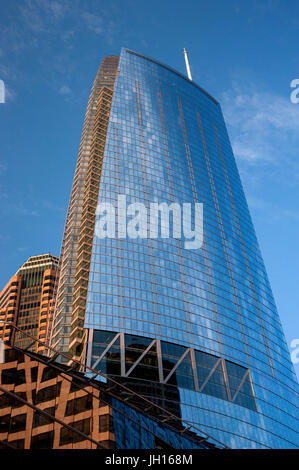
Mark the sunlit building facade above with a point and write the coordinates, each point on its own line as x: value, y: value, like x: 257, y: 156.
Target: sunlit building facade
x: 196, y: 328
x: 26, y: 302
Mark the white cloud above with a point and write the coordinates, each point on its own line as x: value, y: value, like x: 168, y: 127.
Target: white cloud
x: 272, y: 212
x: 38, y: 15
x: 263, y: 126
x: 56, y: 8
x: 4, y: 72
x: 31, y: 15
x: 93, y: 22
x: 20, y: 209
x: 101, y: 25
x: 64, y: 90
x: 4, y: 238
x: 3, y: 167
x: 49, y: 205
x: 21, y: 249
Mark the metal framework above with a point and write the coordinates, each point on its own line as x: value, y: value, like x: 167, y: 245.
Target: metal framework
x: 162, y: 379
x: 114, y: 388
x: 81, y: 382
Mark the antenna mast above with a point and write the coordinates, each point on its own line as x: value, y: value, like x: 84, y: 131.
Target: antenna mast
x: 187, y: 65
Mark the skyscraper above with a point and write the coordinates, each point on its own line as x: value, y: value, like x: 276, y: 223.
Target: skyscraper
x: 26, y: 301
x: 197, y: 328
x: 79, y: 228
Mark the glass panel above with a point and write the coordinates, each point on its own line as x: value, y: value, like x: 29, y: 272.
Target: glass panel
x: 183, y: 375
x: 171, y: 353
x: 42, y: 441
x: 68, y: 436
x: 18, y: 423
x: 204, y: 363
x: 41, y: 420
x: 45, y: 394
x: 147, y: 368
x: 49, y: 373
x: 13, y: 376
x: 105, y: 423
x: 245, y: 397
x: 78, y: 405
x: 135, y: 345
x: 4, y: 423
x: 34, y: 372
x: 18, y: 444
x: 216, y: 385
x: 235, y: 375
x: 110, y: 364
x: 101, y: 339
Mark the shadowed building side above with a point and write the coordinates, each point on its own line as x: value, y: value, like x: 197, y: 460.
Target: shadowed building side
x: 67, y: 333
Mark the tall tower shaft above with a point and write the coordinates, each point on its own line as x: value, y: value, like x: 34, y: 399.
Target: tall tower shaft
x: 195, y: 329
x: 68, y: 316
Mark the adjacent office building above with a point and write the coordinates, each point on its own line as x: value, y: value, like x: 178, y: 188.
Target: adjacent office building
x: 26, y: 302
x: 196, y: 330
x: 47, y: 405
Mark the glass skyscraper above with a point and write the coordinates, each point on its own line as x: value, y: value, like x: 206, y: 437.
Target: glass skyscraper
x: 195, y: 329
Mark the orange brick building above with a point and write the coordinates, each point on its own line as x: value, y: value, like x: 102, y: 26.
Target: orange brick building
x: 26, y: 301
x: 44, y: 407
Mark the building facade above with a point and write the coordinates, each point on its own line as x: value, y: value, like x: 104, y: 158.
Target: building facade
x: 78, y: 234
x: 26, y: 301
x: 46, y: 405
x: 200, y: 323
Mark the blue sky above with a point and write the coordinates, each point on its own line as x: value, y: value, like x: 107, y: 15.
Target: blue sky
x: 243, y: 53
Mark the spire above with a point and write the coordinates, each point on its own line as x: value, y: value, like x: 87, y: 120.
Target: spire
x: 187, y: 65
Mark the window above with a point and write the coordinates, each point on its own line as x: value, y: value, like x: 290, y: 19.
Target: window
x: 18, y: 444
x: 68, y: 436
x: 45, y: 394
x: 40, y: 419
x: 34, y: 371
x: 42, y: 441
x: 49, y: 373
x: 18, y: 423
x: 4, y: 423
x: 78, y: 405
x: 13, y: 376
x: 105, y: 423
